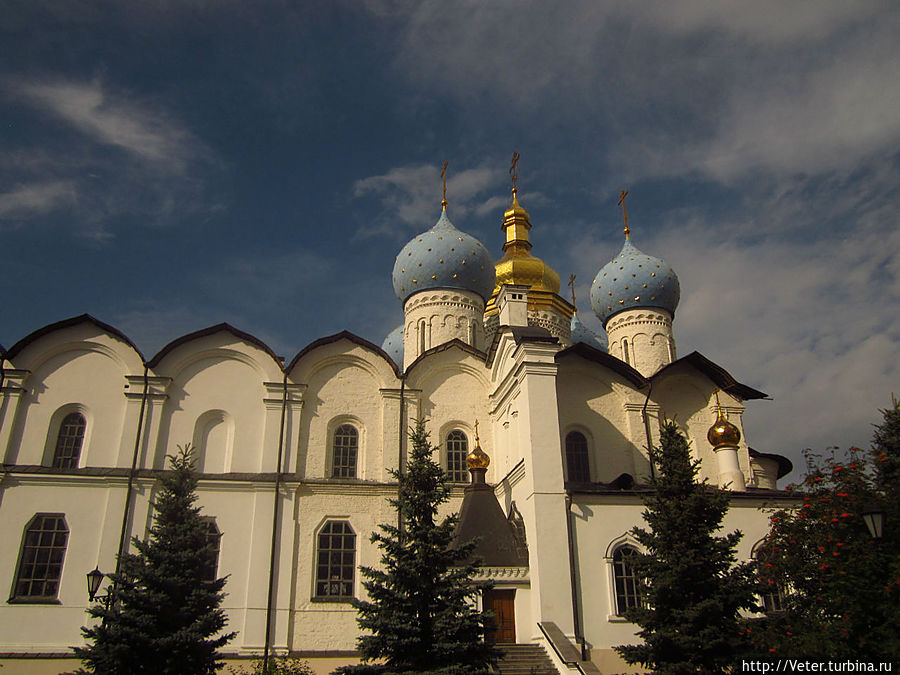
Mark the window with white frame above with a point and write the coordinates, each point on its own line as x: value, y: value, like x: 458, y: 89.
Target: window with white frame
x: 457, y: 449
x: 335, y: 560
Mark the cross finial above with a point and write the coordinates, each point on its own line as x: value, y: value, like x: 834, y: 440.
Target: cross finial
x: 718, y: 405
x: 476, y: 432
x: 621, y: 203
x: 513, y: 171
x: 572, y: 284
x: 444, y: 179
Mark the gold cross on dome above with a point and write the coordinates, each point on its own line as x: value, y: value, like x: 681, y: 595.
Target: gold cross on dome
x: 621, y: 203
x: 444, y: 179
x: 572, y: 284
x: 513, y: 171
x: 476, y: 431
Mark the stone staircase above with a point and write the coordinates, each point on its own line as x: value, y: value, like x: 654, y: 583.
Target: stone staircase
x: 525, y: 659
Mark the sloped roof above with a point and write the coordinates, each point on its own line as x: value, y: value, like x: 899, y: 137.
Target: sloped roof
x: 68, y: 323
x: 455, y: 342
x: 212, y: 330
x: 337, y: 337
x: 482, y: 519
x: 721, y: 377
x: 589, y: 353
x: 785, y: 466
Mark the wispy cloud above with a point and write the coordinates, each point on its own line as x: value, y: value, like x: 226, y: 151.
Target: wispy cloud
x: 145, y: 131
x: 412, y: 195
x: 37, y: 197
x: 105, y: 158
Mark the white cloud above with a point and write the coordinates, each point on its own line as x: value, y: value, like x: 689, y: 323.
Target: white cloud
x: 412, y: 195
x: 114, y: 159
x: 140, y: 129
x: 36, y: 198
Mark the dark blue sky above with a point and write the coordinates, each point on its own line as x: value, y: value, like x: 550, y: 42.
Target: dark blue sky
x: 166, y: 166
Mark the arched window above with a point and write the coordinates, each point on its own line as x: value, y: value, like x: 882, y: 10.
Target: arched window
x: 335, y: 560
x: 69, y: 441
x: 41, y: 559
x: 625, y: 350
x: 213, y: 540
x: 457, y: 449
x: 626, y: 581
x: 577, y: 465
x: 344, y: 451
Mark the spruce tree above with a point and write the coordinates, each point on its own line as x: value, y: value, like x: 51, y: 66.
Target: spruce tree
x: 421, y: 616
x: 162, y: 614
x: 692, y: 588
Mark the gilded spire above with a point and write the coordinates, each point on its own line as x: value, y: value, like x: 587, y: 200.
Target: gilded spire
x: 444, y: 179
x: 621, y: 203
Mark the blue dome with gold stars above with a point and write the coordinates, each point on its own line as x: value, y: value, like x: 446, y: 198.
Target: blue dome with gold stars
x: 393, y: 345
x: 634, y: 279
x: 443, y: 257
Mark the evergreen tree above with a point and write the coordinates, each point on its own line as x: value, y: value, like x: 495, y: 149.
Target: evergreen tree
x: 840, y: 588
x: 162, y: 613
x: 692, y: 588
x: 421, y: 616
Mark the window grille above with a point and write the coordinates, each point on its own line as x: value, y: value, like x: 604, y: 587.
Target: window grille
x: 335, y: 560
x: 345, y: 450
x: 69, y: 441
x: 41, y: 561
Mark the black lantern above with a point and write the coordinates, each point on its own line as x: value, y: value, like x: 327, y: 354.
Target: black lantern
x: 94, y: 579
x: 873, y: 517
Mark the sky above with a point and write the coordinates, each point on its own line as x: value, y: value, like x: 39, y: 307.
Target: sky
x: 169, y: 165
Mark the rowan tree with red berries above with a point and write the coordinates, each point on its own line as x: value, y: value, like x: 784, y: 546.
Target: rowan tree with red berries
x: 834, y: 589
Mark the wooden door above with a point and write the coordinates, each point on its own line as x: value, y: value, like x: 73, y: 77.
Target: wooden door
x: 503, y: 604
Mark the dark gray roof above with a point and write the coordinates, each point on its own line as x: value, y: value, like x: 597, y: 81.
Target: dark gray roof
x: 482, y: 519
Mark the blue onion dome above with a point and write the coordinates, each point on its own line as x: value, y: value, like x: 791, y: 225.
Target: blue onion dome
x: 443, y: 257
x: 581, y: 333
x: 633, y: 279
x: 393, y: 345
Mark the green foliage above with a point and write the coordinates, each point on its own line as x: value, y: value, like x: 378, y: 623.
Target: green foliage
x: 421, y: 615
x: 281, y: 665
x: 161, y: 614
x: 693, y: 589
x: 840, y: 587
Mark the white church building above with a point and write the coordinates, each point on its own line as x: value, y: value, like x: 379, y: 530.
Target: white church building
x: 296, y: 455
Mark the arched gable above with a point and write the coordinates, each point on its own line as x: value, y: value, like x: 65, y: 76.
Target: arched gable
x: 79, y: 333
x: 347, y: 348
x: 232, y: 342
x: 219, y: 383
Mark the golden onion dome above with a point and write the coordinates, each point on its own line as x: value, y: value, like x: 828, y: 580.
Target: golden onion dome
x: 478, y: 458
x: 723, y: 433
x: 518, y: 266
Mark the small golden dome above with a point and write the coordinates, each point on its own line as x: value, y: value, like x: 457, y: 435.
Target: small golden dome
x: 478, y: 458
x: 723, y: 433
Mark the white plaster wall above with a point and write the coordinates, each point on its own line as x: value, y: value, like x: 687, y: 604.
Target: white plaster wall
x: 599, y: 521
x: 93, y: 513
x: 592, y: 400
x: 85, y: 377
x: 688, y: 397
x: 222, y: 380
